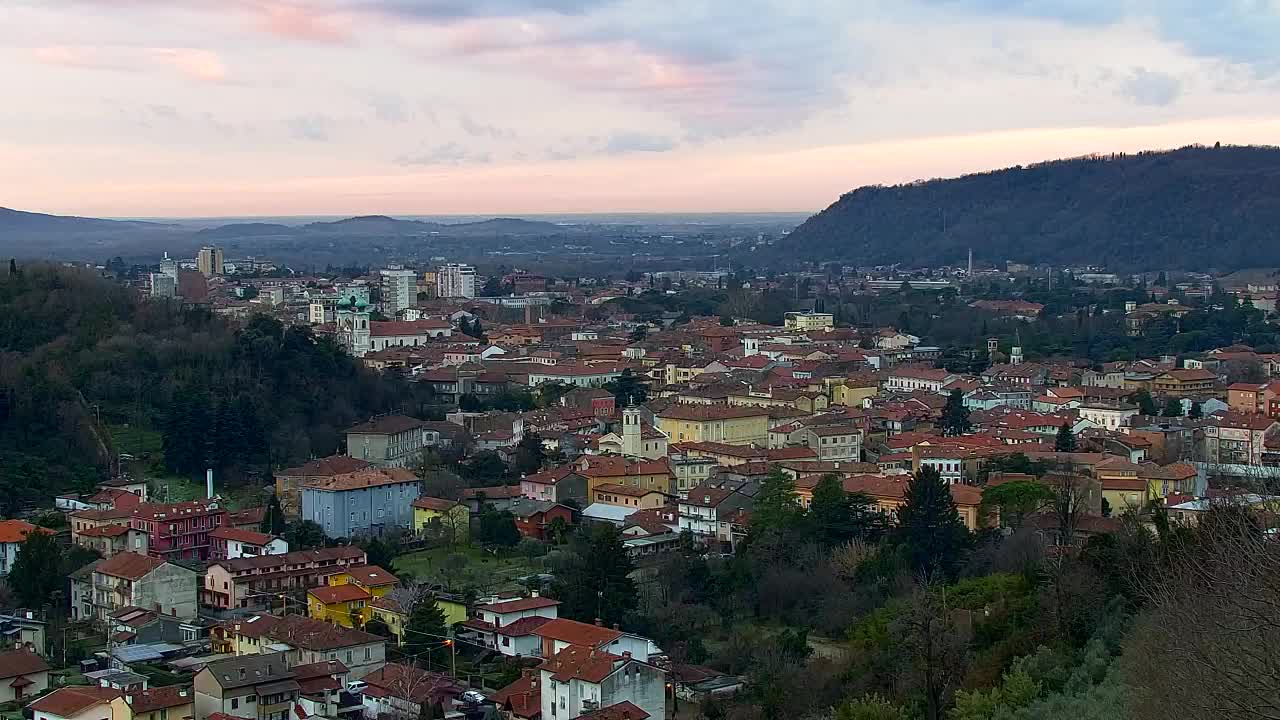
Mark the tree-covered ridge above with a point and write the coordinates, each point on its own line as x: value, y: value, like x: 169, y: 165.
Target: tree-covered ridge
x: 1192, y: 208
x: 79, y: 353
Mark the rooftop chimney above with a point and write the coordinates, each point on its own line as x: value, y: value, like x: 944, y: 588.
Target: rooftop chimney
x: 599, y: 622
x: 615, y: 626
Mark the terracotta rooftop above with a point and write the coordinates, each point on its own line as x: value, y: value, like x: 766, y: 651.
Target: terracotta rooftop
x: 128, y: 565
x: 321, y: 467
x: 334, y: 594
x: 702, y: 413
x: 519, y: 605
x: 580, y: 662
x: 625, y: 710
x: 156, y: 698
x: 361, y: 479
x: 522, y: 697
x: 15, y: 531
x: 273, y: 563
x: 578, y: 633
x: 437, y: 504
x: 71, y: 701
x: 371, y: 576
x: 248, y: 537
x: 386, y: 425
x: 20, y: 662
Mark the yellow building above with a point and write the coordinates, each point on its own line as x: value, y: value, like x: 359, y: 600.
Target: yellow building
x: 393, y: 615
x: 809, y: 321
x: 447, y: 518
x: 627, y: 496
x: 345, y: 605
x: 850, y: 392
x: 370, y: 578
x: 733, y: 425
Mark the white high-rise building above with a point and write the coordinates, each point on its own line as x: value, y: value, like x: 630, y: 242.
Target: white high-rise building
x: 456, y: 281
x: 169, y: 266
x: 399, y: 289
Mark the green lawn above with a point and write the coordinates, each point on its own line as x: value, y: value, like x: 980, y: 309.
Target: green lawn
x: 136, y: 441
x: 472, y: 568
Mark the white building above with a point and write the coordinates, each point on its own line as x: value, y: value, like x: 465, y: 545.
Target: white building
x: 406, y: 333
x: 455, y: 280
x: 580, y: 680
x: 399, y: 289
x: 1108, y: 416
x: 807, y: 321
x: 353, y: 327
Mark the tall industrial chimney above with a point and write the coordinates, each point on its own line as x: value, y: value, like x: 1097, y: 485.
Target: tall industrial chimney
x: 208, y: 482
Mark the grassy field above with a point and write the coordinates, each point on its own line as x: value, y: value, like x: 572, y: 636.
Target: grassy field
x: 464, y: 567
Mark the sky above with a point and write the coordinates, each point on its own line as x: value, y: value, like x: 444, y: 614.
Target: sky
x: 127, y: 108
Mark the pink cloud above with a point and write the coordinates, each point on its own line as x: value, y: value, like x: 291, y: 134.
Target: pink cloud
x: 296, y: 22
x: 195, y: 63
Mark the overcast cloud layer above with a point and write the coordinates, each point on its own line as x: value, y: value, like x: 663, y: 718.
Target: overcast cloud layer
x: 235, y: 107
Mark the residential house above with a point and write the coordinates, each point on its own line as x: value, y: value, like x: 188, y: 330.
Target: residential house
x: 393, y: 610
x: 256, y: 581
x: 302, y: 641
x: 522, y: 699
x: 81, y: 702
x: 559, y: 484
x: 131, y: 580
x: 610, y: 469
x: 581, y: 681
x: 704, y: 508
x: 400, y: 691
x: 257, y: 687
x: 1178, y: 478
x: 22, y: 630
x: 179, y: 530
x: 908, y: 378
x: 173, y: 702
x: 561, y: 633
x: 733, y: 425
x: 289, y: 482
x: 143, y: 626
x: 1237, y: 439
x: 446, y: 519
x: 627, y: 496
x: 498, y: 497
x: 343, y: 605
x: 365, y: 502
x: 1109, y: 416
x: 509, y: 626
x: 385, y: 334
x: 322, y: 690
x: 533, y: 516
x: 12, y: 534
x: 1184, y: 382
x: 392, y: 441
x: 370, y: 578
x: 109, y: 539
x: 228, y: 543
x: 23, y: 674
x: 833, y: 442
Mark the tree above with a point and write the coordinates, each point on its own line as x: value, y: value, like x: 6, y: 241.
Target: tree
x: 870, y: 707
x: 37, y: 570
x: 1172, y: 407
x: 1197, y: 410
x: 1065, y: 442
x: 639, y: 333
x: 530, y: 454
x: 1070, y: 501
x: 726, y: 321
x: 468, y: 402
x: 1146, y: 404
x: 425, y: 633
x: 933, y: 653
x: 498, y: 528
x: 1017, y: 499
x: 776, y: 514
x: 597, y: 584
x: 929, y: 526
x: 273, y: 522
x: 380, y: 552
x: 628, y: 389
x: 304, y: 534
x: 836, y: 517
x: 955, y: 416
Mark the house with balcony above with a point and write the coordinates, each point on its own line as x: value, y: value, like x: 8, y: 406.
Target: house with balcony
x: 255, y: 687
x: 301, y: 641
x: 509, y: 626
x: 229, y: 543
x: 266, y: 580
x: 289, y: 481
x: 322, y: 691
x: 581, y: 681
x: 703, y: 510
x: 131, y: 580
x: 365, y: 502
x: 179, y: 530
x: 393, y: 441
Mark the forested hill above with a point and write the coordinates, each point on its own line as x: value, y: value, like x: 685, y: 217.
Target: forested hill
x: 82, y: 357
x: 1193, y: 208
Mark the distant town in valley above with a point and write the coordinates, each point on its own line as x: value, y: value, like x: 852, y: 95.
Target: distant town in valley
x: 239, y: 487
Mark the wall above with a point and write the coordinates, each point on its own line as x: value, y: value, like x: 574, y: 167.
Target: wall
x: 361, y: 511
x: 645, y: 686
x: 172, y: 587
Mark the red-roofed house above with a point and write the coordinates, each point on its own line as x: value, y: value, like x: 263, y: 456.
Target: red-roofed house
x: 22, y: 674
x: 580, y: 681
x: 128, y: 579
x: 228, y: 543
x: 81, y: 703
x: 522, y: 699
x: 12, y: 534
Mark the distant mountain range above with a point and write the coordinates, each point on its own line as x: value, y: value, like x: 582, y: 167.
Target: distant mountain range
x: 1194, y: 208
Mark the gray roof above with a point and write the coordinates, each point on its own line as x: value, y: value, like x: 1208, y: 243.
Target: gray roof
x: 249, y: 670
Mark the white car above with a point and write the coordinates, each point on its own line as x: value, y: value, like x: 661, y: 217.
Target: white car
x: 472, y: 697
x: 355, y: 687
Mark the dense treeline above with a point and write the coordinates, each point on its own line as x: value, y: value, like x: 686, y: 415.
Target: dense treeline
x: 80, y: 354
x: 1192, y: 208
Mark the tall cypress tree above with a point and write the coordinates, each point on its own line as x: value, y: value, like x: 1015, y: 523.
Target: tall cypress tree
x: 929, y: 527
x: 1066, y: 440
x: 955, y: 416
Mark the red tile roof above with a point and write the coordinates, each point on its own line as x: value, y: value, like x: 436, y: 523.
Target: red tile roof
x: 69, y: 701
x: 522, y: 697
x: 333, y: 594
x: 20, y: 662
x: 390, y: 328
x: 320, y: 467
x: 580, y: 662
x: 15, y: 531
x: 577, y: 633
x: 371, y: 576
x: 437, y: 504
x: 386, y: 425
x: 160, y: 697
x: 523, y: 627
x: 367, y: 478
x: 625, y: 710
x: 128, y: 565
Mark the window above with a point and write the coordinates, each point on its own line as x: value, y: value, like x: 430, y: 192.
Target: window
x: 235, y: 703
x: 348, y: 657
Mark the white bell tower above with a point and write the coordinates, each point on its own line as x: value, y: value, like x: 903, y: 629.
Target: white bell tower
x: 632, y: 442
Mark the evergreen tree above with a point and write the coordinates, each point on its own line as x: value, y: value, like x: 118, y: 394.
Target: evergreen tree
x: 836, y: 517
x: 1197, y: 411
x: 498, y: 528
x: 37, y: 570
x: 1172, y: 407
x: 425, y: 632
x: 598, y: 583
x: 1066, y: 440
x: 929, y: 527
x: 380, y: 552
x: 1146, y: 404
x: 530, y: 454
x: 273, y: 519
x: 628, y: 389
x: 776, y: 508
x: 955, y: 416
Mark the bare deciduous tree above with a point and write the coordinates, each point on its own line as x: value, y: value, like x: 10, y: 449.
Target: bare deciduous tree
x: 934, y: 649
